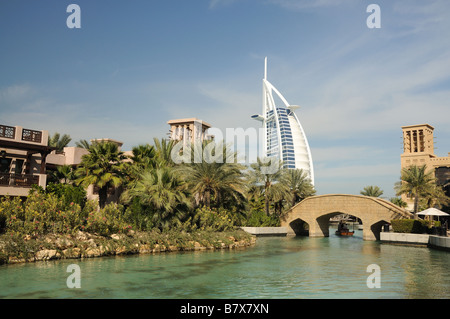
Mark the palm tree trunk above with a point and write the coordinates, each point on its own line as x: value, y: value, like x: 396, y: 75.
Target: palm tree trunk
x: 266, y: 196
x: 208, y: 198
x: 416, y: 205
x: 266, y: 199
x: 102, y: 196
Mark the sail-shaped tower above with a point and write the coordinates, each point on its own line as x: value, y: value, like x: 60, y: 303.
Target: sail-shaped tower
x: 284, y: 136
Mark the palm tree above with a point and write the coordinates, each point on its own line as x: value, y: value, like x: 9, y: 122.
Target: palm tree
x: 63, y: 174
x: 144, y: 156
x: 162, y: 191
x: 435, y: 197
x: 163, y: 151
x: 372, y: 191
x: 58, y: 141
x: 299, y: 184
x: 262, y: 176
x: 103, y: 167
x: 220, y: 182
x: 83, y: 144
x: 415, y: 181
x: 398, y: 201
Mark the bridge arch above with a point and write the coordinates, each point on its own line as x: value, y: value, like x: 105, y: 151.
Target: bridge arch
x: 316, y: 211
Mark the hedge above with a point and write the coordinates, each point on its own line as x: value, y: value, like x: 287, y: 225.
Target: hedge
x: 415, y: 226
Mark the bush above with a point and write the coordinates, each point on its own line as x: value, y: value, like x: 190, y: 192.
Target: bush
x: 414, y: 226
x: 211, y: 220
x: 68, y: 193
x: 260, y: 219
x: 40, y: 214
x: 107, y: 221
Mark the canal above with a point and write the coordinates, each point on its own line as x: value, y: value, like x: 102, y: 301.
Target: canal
x: 276, y: 267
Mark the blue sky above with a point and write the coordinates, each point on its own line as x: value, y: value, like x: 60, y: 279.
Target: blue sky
x: 134, y: 65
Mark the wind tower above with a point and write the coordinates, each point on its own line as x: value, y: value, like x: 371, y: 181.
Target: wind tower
x: 284, y: 137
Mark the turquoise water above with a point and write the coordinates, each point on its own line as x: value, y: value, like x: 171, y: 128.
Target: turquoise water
x: 276, y: 267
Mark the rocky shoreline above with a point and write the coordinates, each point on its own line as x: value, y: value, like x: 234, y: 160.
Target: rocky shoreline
x: 86, y: 245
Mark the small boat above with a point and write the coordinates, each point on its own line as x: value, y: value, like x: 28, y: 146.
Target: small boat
x: 343, y: 230
x: 344, y: 233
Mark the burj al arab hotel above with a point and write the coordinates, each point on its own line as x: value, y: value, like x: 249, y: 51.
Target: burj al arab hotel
x: 284, y: 135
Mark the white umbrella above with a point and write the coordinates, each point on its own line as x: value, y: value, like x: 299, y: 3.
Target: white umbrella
x: 432, y: 212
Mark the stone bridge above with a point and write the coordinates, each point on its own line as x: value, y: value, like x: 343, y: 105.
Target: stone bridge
x: 316, y: 211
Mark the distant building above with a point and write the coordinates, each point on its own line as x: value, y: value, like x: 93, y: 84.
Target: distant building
x: 418, y: 149
x: 284, y: 137
x: 189, y: 129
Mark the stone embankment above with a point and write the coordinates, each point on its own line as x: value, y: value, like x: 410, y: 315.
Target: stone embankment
x: 86, y: 245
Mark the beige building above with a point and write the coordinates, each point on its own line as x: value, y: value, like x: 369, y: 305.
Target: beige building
x: 23, y: 157
x: 26, y: 158
x: 418, y: 149
x: 189, y: 129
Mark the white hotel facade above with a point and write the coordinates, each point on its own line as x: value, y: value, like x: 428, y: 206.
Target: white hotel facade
x: 284, y: 137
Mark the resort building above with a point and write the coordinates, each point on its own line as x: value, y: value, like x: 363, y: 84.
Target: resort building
x: 418, y: 149
x: 284, y: 137
x: 189, y: 129
x: 26, y: 158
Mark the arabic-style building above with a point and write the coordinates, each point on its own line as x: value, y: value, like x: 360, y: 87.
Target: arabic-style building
x: 418, y: 149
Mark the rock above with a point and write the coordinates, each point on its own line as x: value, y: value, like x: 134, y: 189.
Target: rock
x: 72, y: 253
x: 116, y: 236
x: 121, y: 250
x: 92, y: 252
x: 47, y: 254
x: 145, y: 248
x: 82, y: 235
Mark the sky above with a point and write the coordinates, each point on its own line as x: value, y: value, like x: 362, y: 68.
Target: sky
x: 134, y: 65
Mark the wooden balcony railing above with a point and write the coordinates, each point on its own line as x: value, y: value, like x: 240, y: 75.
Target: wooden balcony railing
x: 31, y: 136
x: 18, y: 180
x: 7, y: 131
x: 27, y: 134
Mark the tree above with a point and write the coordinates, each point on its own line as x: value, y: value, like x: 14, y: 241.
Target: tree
x: 162, y: 191
x: 415, y: 181
x: 264, y: 175
x: 58, y: 141
x: 299, y: 184
x: 398, y: 201
x: 63, y: 174
x: 83, y: 144
x: 435, y: 197
x: 163, y: 149
x: 103, y: 167
x: 219, y: 182
x: 372, y: 191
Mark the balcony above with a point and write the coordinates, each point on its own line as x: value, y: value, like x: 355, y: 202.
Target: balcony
x: 23, y: 135
x: 18, y: 180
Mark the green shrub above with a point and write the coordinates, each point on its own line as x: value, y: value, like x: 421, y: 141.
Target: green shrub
x: 414, y: 226
x: 107, y: 221
x: 211, y: 220
x: 68, y: 193
x: 260, y: 219
x: 138, y: 215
